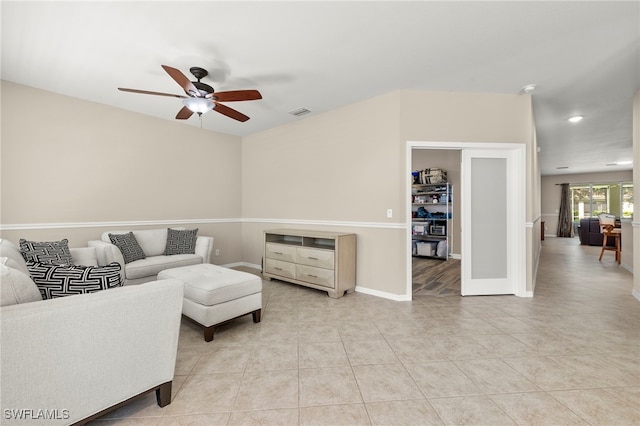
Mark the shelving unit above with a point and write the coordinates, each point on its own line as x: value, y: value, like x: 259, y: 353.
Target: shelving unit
x: 432, y: 213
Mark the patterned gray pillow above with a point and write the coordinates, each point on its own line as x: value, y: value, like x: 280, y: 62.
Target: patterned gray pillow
x: 59, y: 280
x: 128, y: 245
x: 181, y: 241
x: 55, y: 252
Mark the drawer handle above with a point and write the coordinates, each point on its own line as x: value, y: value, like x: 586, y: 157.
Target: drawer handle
x: 312, y: 258
x: 277, y: 269
x: 278, y: 252
x: 312, y: 276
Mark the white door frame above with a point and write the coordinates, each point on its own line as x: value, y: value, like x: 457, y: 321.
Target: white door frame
x: 519, y: 182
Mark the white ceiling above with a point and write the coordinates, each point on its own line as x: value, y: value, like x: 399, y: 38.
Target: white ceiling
x: 583, y: 56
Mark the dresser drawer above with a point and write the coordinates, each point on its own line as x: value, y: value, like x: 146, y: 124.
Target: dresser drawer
x: 318, y: 276
x: 277, y: 267
x: 280, y: 252
x: 315, y: 257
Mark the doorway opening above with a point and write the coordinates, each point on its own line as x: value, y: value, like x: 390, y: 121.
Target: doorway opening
x: 489, y: 206
x: 431, y: 273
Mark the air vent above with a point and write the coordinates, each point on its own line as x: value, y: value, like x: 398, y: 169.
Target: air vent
x: 299, y: 112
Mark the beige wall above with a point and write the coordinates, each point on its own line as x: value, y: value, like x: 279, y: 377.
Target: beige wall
x: 86, y: 164
x: 551, y: 192
x: 340, y: 168
x: 68, y: 161
x: 466, y: 117
x: 345, y: 168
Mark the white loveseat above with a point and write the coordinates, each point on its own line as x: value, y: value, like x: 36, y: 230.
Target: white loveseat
x: 153, y: 242
x: 71, y: 359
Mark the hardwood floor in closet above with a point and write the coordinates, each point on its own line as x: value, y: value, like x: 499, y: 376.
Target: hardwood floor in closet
x: 435, y: 277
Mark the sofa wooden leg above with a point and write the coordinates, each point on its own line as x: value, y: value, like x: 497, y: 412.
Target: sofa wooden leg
x: 208, y: 333
x: 256, y: 315
x: 163, y: 394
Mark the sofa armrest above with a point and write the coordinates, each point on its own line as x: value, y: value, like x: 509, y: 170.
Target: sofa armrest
x: 87, y: 256
x: 204, y: 246
x: 108, y: 253
x: 82, y: 354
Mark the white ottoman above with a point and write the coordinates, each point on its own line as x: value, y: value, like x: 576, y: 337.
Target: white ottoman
x: 214, y: 295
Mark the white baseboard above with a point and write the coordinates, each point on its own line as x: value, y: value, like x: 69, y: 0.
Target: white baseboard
x: 384, y: 294
x: 245, y: 264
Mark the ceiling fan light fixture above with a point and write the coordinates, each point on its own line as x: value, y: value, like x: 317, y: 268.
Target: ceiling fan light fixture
x: 199, y: 105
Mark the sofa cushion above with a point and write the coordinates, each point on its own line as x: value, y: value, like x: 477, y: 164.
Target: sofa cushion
x: 181, y: 241
x: 59, y: 281
x: 56, y: 252
x: 128, y: 246
x: 152, y: 241
x: 154, y: 264
x: 210, y: 285
x: 16, y: 286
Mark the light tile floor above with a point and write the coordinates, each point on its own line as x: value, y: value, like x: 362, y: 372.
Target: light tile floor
x: 570, y: 355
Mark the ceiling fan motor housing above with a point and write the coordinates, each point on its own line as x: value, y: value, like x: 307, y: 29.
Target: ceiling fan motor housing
x: 200, y: 73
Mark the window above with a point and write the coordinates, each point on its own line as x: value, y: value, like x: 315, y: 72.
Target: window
x: 591, y: 199
x: 627, y: 200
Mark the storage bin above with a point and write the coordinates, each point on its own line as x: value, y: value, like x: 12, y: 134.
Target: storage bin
x: 426, y: 248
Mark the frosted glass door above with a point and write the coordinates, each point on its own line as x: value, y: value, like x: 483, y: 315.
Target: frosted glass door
x: 486, y: 223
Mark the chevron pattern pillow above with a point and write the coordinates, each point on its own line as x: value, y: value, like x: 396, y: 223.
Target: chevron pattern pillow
x: 59, y: 280
x: 181, y: 241
x: 128, y: 245
x: 56, y: 252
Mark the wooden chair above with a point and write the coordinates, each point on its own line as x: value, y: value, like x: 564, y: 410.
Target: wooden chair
x: 608, y: 229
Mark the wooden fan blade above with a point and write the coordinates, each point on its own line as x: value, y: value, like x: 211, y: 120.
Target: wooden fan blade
x: 230, y: 112
x: 237, y: 95
x: 182, y: 80
x: 146, y: 92
x: 184, y: 113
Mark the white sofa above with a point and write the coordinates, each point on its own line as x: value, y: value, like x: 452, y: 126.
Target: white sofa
x: 71, y: 359
x: 153, y: 243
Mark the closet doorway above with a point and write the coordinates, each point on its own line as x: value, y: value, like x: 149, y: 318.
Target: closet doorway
x: 468, y: 241
x: 433, y: 276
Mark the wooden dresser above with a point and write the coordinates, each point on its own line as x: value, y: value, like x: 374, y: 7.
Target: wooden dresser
x: 317, y: 259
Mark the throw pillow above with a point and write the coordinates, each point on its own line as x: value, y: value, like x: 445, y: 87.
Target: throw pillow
x: 56, y: 252
x: 181, y: 241
x: 59, y: 281
x: 128, y: 245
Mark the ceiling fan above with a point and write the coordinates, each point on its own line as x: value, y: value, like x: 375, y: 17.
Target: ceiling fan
x: 201, y: 97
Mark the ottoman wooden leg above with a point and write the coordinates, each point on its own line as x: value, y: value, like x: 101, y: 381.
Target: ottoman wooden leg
x: 256, y: 315
x: 208, y: 333
x: 163, y: 394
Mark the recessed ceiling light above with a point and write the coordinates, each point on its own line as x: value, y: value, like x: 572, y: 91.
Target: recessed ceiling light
x: 528, y: 88
x: 575, y: 119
